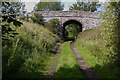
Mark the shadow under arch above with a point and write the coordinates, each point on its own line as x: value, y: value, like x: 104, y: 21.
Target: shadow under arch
x: 72, y: 21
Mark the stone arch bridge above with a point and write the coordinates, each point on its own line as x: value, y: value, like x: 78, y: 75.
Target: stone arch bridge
x: 85, y: 19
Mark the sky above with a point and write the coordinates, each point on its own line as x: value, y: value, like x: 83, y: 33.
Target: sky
x: 30, y: 4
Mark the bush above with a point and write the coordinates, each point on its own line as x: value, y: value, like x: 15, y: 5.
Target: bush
x: 72, y: 30
x: 53, y: 26
x: 37, y: 18
x: 28, y: 53
x: 110, y: 33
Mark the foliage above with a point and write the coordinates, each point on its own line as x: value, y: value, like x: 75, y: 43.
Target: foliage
x: 73, y: 30
x: 49, y: 6
x: 53, y: 26
x: 91, y: 40
x: 75, y: 7
x: 90, y: 45
x: 103, y: 44
x: 84, y: 6
x: 37, y: 18
x: 9, y: 12
x: 110, y: 32
x: 29, y: 52
x: 8, y: 31
x: 13, y: 8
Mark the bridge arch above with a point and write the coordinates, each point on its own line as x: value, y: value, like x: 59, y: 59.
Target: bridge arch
x: 71, y: 21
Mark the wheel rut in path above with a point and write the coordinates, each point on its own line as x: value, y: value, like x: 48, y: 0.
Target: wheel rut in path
x: 84, y: 67
x: 51, y: 70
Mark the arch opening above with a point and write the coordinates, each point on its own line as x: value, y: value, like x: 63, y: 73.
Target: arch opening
x: 71, y: 29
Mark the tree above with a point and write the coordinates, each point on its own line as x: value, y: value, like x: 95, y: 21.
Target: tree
x: 72, y: 30
x: 37, y: 18
x: 51, y: 6
x: 85, y: 6
x: 111, y: 33
x: 46, y: 6
x: 75, y: 7
x: 53, y: 25
x: 9, y: 12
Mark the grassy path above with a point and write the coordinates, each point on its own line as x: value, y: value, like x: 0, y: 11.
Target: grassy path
x: 67, y: 66
x: 85, y: 68
x: 51, y: 69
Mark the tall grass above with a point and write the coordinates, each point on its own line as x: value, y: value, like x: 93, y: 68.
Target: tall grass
x: 90, y: 45
x: 28, y: 54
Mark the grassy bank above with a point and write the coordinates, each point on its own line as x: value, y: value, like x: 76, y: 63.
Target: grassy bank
x: 89, y: 44
x: 67, y: 66
x: 29, y: 53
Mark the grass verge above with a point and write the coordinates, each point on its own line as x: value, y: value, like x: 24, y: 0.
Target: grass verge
x: 89, y: 44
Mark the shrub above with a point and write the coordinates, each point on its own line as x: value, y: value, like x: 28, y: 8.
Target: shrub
x: 53, y: 26
x: 37, y: 18
x: 27, y: 53
x: 110, y: 33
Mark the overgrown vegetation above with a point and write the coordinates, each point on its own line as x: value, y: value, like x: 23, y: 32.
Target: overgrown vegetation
x: 37, y: 18
x: 26, y: 50
x: 9, y: 15
x: 72, y: 31
x: 27, y: 54
x: 90, y: 45
x: 111, y: 33
x: 100, y: 47
x: 53, y: 26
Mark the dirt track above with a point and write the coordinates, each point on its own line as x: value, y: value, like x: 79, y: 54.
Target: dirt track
x: 84, y: 67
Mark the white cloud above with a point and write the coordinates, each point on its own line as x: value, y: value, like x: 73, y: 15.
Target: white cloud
x: 29, y: 6
x: 68, y: 0
x: 102, y: 1
x: 109, y: 0
x: 30, y: 0
x: 47, y: 0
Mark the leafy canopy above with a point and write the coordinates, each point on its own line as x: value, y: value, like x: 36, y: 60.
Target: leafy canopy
x: 51, y: 6
x: 85, y: 6
x: 9, y: 12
